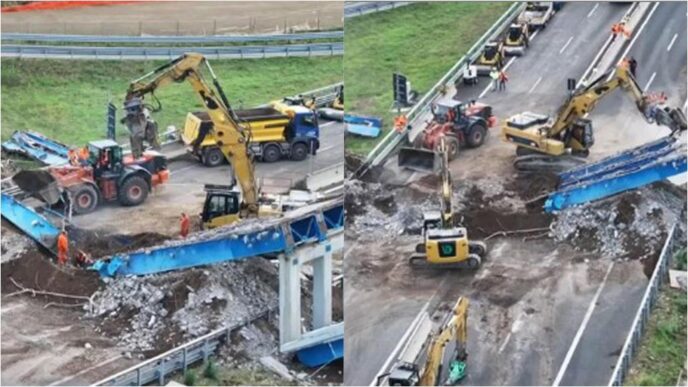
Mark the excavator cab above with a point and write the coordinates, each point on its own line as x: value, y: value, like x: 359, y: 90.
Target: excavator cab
x: 221, y: 206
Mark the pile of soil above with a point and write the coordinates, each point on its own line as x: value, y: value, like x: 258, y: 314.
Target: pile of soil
x: 35, y: 271
x: 103, y: 244
x: 483, y: 221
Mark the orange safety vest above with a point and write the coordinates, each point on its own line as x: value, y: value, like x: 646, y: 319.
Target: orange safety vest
x: 184, y: 226
x: 400, y: 123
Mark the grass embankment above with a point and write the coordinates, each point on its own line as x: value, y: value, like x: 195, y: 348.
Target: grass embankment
x: 422, y: 41
x: 662, y: 353
x: 66, y: 99
x: 211, y: 374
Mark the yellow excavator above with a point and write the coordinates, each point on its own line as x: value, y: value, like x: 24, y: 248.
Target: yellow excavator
x: 222, y: 205
x: 445, y: 244
x: 442, y: 360
x: 561, y: 143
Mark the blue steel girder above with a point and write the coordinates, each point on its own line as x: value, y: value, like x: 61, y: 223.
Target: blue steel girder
x: 617, y: 183
x: 30, y: 222
x: 273, y: 236
x: 609, y: 164
x: 38, y: 147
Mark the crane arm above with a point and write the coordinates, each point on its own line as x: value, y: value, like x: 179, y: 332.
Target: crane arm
x: 584, y: 101
x: 446, y: 187
x: 232, y: 138
x: 456, y: 330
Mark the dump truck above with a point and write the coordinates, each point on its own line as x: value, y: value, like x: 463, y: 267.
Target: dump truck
x: 275, y: 132
x: 537, y: 14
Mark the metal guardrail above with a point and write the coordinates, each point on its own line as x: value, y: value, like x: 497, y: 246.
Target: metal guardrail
x: 393, y: 139
x: 364, y: 8
x: 179, y: 358
x: 143, y: 53
x: 171, y: 39
x: 642, y: 317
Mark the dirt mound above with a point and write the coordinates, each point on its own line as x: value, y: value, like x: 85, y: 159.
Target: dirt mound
x: 103, y: 244
x: 35, y: 271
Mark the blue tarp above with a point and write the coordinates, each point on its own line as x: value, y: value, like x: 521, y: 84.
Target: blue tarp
x: 322, y: 353
x: 363, y: 126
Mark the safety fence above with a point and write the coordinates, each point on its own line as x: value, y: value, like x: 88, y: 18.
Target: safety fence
x: 148, y: 53
x: 170, y: 38
x: 178, y: 359
x: 642, y: 317
x: 393, y: 138
x: 364, y: 8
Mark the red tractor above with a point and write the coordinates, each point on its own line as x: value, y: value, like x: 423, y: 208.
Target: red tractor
x: 461, y: 124
x: 106, y: 176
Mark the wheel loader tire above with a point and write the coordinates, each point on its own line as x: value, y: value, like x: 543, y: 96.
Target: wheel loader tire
x: 271, y: 153
x: 133, y: 191
x: 213, y: 157
x: 476, y: 135
x: 299, y: 151
x: 473, y: 261
x: 453, y: 146
x: 84, y: 199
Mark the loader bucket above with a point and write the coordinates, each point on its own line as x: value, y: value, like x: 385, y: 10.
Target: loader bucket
x: 40, y: 184
x: 418, y: 159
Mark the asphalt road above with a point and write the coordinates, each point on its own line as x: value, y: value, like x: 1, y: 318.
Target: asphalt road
x: 184, y: 191
x: 537, y: 80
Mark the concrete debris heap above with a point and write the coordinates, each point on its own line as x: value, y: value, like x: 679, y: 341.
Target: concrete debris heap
x: 158, y: 312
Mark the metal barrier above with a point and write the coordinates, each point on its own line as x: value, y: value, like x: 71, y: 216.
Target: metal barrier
x: 171, y: 39
x: 179, y: 358
x: 364, y: 8
x: 393, y: 138
x: 642, y: 317
x: 143, y: 53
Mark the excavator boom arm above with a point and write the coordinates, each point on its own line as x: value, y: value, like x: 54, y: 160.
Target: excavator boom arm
x: 232, y: 138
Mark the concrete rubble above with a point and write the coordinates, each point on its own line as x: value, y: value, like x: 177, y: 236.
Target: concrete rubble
x: 139, y: 310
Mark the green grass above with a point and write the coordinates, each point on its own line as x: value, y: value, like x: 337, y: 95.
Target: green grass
x: 662, y: 352
x: 66, y: 99
x: 422, y: 41
x: 225, y: 376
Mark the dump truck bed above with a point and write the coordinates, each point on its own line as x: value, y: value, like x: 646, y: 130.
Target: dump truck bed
x: 260, y: 114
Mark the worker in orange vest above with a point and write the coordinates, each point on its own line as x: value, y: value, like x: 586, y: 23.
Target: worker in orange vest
x: 62, y: 248
x: 184, y: 225
x: 84, y: 155
x: 400, y: 123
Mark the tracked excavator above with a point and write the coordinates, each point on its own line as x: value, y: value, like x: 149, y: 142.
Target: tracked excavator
x: 562, y: 142
x: 446, y: 245
x: 442, y: 358
x: 223, y: 205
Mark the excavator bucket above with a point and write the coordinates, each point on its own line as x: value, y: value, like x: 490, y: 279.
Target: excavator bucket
x: 418, y: 159
x: 40, y: 184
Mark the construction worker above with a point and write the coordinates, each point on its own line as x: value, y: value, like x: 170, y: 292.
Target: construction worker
x: 400, y: 123
x: 84, y: 155
x: 184, y: 225
x: 494, y: 75
x: 73, y: 157
x: 632, y: 66
x: 83, y: 259
x: 62, y: 248
x: 503, y: 79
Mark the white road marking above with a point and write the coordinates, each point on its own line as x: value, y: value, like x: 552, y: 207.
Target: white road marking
x: 506, y: 341
x: 534, y: 85
x: 326, y: 148
x: 593, y: 9
x: 671, y: 44
x: 566, y: 45
x: 86, y: 370
x: 642, y: 27
x: 533, y: 35
x: 491, y: 82
x: 652, y: 78
x: 581, y: 329
x: 327, y: 124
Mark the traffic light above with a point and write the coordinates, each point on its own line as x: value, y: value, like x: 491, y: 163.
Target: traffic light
x: 401, y: 89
